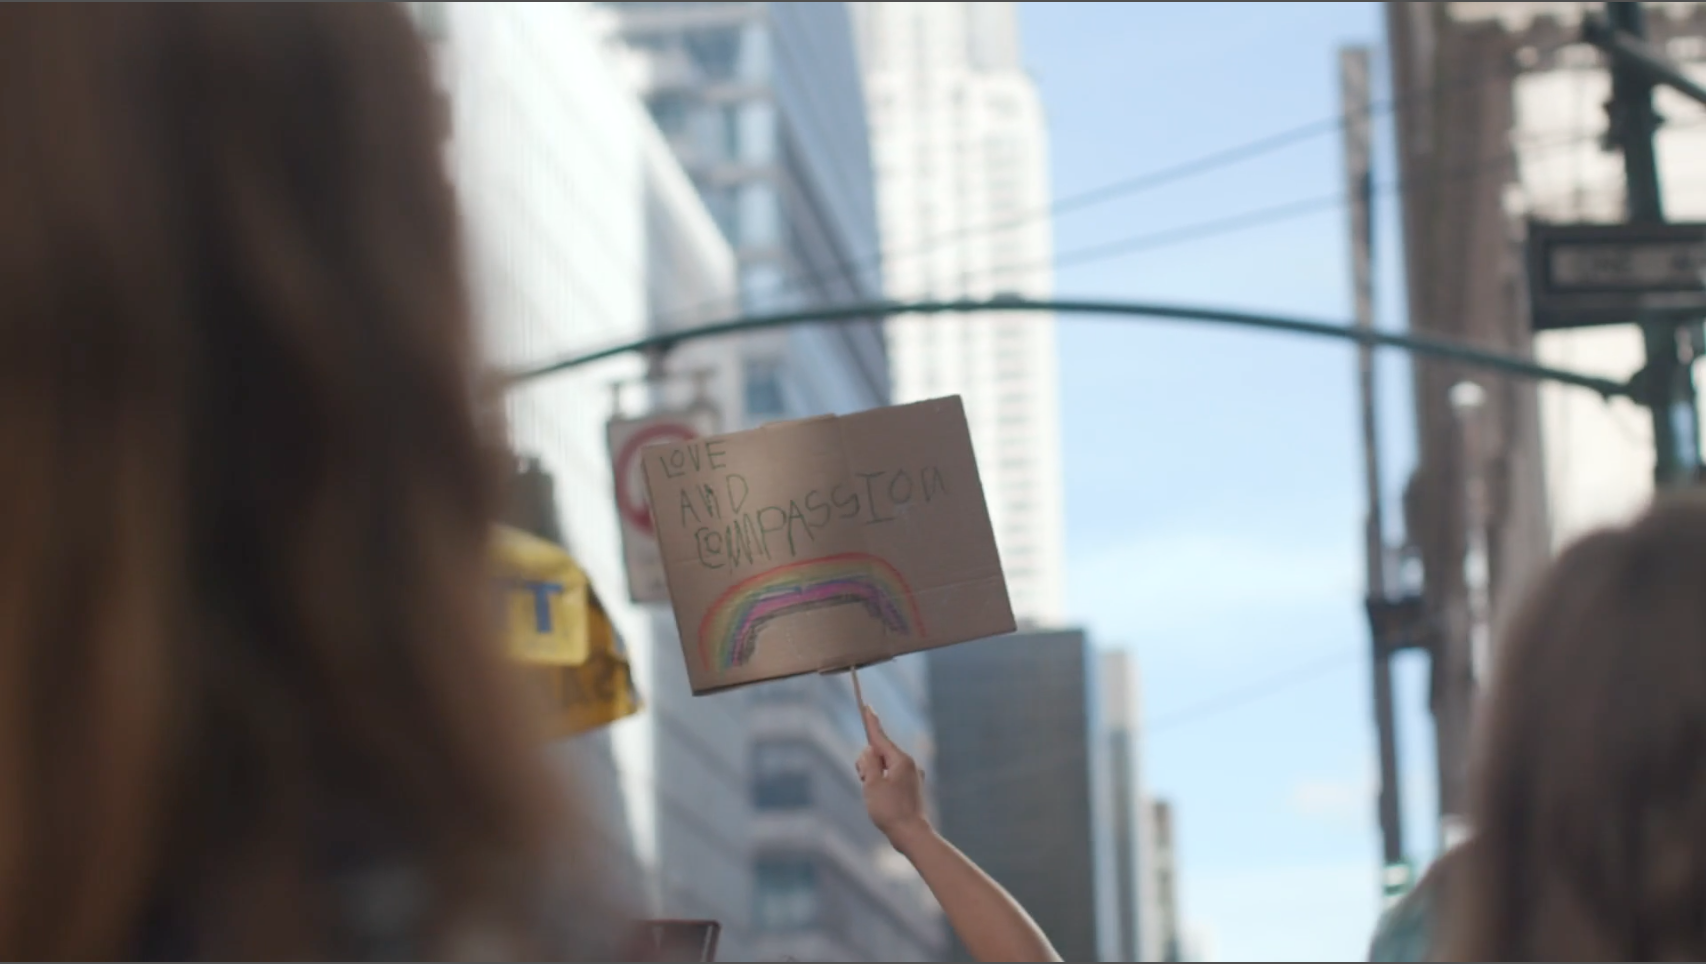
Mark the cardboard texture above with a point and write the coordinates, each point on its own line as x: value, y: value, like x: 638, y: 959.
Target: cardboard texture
x: 628, y: 438
x: 824, y: 544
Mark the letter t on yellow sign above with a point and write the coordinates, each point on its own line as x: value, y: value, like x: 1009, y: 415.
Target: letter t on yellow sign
x: 559, y: 631
x: 546, y: 597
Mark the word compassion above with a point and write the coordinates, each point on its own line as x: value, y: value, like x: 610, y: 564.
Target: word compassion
x: 731, y: 531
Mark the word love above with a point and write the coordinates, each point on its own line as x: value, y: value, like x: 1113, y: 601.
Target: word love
x: 694, y: 457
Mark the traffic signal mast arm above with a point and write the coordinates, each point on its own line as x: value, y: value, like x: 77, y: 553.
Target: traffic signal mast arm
x: 660, y: 343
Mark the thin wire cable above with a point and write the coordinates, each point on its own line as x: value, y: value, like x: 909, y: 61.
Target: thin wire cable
x: 1295, y: 209
x: 1254, y: 693
x: 1262, y: 216
x: 1125, y: 187
x: 1193, y: 168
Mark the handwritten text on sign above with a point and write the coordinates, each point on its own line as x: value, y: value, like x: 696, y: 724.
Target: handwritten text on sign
x: 825, y: 543
x: 731, y: 531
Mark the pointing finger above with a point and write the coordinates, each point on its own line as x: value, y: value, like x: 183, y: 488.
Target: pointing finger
x: 873, y: 727
x: 879, y: 738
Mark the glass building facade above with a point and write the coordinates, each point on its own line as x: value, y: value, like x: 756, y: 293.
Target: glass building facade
x: 763, y: 105
x: 1024, y: 783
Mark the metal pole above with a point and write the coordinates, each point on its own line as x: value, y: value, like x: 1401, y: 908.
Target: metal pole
x: 1468, y: 402
x: 1467, y: 645
x: 1667, y: 383
x: 1416, y: 344
x: 1354, y: 73
x: 1638, y: 53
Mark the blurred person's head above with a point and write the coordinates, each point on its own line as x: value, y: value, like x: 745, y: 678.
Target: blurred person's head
x: 1590, y: 808
x: 244, y: 498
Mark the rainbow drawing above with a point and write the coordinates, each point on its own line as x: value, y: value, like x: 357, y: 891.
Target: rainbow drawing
x: 728, y: 633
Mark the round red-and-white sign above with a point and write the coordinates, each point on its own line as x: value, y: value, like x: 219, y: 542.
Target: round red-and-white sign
x: 631, y: 479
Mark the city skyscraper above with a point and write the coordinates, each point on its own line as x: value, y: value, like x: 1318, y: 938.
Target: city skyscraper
x: 1129, y: 809
x: 1170, y: 937
x: 763, y: 105
x: 1024, y: 785
x: 961, y: 151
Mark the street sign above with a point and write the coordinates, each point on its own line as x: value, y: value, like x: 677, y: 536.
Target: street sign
x: 639, y: 542
x: 1605, y: 274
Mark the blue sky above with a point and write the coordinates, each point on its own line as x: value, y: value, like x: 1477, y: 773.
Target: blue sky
x: 1213, y: 476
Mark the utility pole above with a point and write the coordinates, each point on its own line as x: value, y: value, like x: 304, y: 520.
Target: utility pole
x: 1354, y: 74
x: 1667, y: 382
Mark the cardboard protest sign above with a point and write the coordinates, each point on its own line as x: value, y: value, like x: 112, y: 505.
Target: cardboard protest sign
x: 628, y: 438
x: 825, y: 544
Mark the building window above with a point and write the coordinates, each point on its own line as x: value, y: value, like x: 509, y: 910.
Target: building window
x: 757, y: 133
x: 728, y: 119
x: 764, y: 388
x: 781, y: 777
x: 724, y: 205
x: 785, y: 895
x: 716, y: 52
x: 671, y: 112
x: 782, y: 791
x: 760, y: 215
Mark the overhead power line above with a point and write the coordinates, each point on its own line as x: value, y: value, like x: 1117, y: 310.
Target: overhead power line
x: 1292, y: 210
x: 1245, y: 696
x: 850, y: 271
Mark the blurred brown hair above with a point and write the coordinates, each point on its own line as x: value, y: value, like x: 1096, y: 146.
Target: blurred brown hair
x: 243, y: 502
x: 1590, y: 821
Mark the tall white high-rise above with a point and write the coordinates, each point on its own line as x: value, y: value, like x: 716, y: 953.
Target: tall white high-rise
x: 961, y: 151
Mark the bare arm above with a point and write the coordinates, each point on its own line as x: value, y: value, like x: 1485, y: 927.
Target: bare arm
x: 989, y: 922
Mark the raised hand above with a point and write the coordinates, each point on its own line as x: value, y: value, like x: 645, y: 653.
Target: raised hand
x: 989, y: 922
x: 894, y: 787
